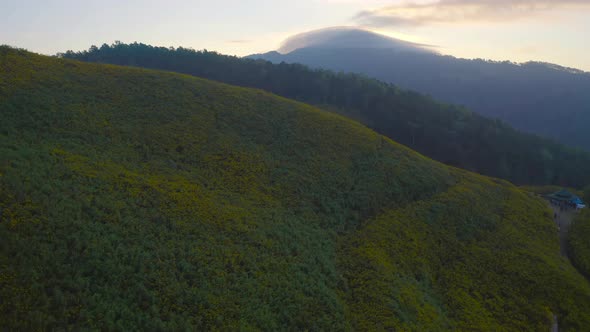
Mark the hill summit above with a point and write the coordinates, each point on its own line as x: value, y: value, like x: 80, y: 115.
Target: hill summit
x: 348, y: 37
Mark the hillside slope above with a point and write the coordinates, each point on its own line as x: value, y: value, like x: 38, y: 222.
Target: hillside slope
x: 135, y: 199
x: 446, y: 133
x: 579, y: 242
x: 535, y: 97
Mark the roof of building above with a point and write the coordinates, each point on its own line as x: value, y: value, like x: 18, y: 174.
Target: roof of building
x: 566, y: 196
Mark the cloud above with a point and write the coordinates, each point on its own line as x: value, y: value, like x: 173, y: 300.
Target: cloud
x: 459, y: 11
x: 350, y: 37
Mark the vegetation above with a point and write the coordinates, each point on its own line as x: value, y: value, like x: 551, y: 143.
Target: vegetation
x: 446, y: 133
x: 133, y: 199
x: 579, y: 242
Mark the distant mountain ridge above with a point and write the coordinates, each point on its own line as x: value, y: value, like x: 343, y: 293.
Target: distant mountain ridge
x: 536, y: 97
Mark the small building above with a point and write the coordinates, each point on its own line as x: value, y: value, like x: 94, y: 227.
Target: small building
x: 566, y: 199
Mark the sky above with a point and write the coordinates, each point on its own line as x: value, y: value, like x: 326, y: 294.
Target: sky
x: 517, y: 30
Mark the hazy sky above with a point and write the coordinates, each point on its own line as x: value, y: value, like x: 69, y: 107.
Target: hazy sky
x: 518, y: 30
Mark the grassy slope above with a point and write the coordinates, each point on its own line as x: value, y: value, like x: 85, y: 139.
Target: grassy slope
x: 133, y: 198
x: 579, y: 244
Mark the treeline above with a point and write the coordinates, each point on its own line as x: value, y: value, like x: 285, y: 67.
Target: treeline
x: 448, y: 133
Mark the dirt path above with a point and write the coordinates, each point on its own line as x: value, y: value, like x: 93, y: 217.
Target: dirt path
x: 563, y: 220
x: 555, y: 325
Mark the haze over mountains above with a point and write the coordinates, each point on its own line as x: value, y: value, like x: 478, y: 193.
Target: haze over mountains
x: 540, y: 98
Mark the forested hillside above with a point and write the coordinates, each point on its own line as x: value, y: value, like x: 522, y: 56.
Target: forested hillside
x: 447, y: 133
x: 535, y: 97
x: 133, y: 199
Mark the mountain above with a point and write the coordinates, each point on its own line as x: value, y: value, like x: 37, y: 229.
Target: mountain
x: 447, y: 133
x: 134, y: 199
x: 343, y: 37
x: 536, y: 97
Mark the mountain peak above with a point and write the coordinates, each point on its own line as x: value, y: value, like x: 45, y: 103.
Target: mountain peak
x: 348, y: 37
